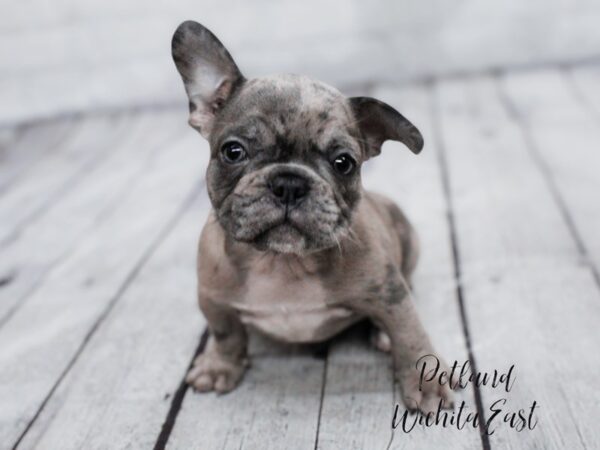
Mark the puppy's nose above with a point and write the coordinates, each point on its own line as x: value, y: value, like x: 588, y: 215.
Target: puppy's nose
x: 289, y: 188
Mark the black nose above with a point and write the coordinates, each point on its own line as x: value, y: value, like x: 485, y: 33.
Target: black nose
x: 289, y: 188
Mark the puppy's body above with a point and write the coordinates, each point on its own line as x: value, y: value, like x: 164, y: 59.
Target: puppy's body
x: 309, y: 298
x: 294, y: 246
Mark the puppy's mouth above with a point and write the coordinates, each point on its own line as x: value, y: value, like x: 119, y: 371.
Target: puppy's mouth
x: 295, y: 220
x: 283, y: 236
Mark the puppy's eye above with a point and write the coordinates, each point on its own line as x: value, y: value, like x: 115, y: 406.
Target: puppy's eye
x: 233, y: 152
x: 344, y: 164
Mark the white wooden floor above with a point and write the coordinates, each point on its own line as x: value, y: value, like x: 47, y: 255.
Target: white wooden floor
x: 98, y: 320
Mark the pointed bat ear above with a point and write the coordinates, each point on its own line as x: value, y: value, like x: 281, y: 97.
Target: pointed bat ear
x: 380, y: 122
x: 209, y: 74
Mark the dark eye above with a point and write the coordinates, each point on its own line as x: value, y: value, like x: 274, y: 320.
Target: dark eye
x: 344, y: 164
x: 233, y: 152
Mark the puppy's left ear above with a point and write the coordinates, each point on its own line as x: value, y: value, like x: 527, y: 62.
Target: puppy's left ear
x: 379, y: 122
x: 209, y: 74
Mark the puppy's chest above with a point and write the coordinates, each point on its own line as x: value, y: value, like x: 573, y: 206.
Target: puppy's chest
x: 290, y: 305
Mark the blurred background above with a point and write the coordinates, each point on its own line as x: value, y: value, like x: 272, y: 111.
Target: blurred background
x: 64, y: 56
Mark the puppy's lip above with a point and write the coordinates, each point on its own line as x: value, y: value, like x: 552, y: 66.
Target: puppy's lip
x: 285, y: 221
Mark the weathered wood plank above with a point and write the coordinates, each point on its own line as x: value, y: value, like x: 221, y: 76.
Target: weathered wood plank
x: 584, y: 81
x: 27, y: 145
x: 275, y: 406
x: 42, y: 339
x: 358, y: 399
x: 90, y: 142
x: 78, y: 210
x: 119, y: 391
x: 8, y: 135
x: 359, y: 395
x: 529, y: 299
x: 564, y: 134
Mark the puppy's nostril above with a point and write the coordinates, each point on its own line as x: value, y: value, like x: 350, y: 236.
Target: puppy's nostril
x: 289, y: 188
x: 301, y: 192
x: 279, y: 191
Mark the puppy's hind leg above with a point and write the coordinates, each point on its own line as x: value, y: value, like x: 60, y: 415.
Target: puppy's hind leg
x: 380, y: 339
x: 409, y: 242
x: 409, y: 255
x: 409, y: 343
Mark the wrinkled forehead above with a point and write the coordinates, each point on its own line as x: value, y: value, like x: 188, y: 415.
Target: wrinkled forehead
x: 291, y: 106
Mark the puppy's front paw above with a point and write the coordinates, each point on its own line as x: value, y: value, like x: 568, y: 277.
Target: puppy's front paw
x: 424, y: 398
x: 212, y: 371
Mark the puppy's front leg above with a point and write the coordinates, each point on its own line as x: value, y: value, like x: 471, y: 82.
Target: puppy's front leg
x: 394, y: 311
x: 222, y: 364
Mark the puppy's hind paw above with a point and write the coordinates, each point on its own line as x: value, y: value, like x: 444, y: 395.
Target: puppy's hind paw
x: 380, y: 340
x: 213, y: 372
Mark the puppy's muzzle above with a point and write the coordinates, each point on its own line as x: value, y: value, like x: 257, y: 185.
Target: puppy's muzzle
x: 289, y: 188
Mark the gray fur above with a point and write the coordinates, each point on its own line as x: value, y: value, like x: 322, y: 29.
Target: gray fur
x: 301, y: 270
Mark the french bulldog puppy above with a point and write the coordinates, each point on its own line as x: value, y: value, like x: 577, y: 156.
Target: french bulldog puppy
x: 294, y: 246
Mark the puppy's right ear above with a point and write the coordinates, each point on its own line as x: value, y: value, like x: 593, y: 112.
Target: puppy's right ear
x: 209, y: 74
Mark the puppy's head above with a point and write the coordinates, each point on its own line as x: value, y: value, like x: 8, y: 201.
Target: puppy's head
x: 286, y: 150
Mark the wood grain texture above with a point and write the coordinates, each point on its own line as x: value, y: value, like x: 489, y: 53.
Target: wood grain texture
x: 43, y: 338
x: 135, y: 362
x: 60, y: 171
x: 82, y: 207
x: 530, y: 300
x: 22, y: 147
x: 275, y: 406
x: 563, y: 129
x: 583, y: 83
x: 105, y: 319
x: 359, y: 396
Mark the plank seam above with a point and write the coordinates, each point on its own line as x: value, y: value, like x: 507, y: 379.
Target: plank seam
x: 445, y: 174
x: 395, y: 390
x: 177, y: 402
x: 417, y: 79
x: 21, y: 131
x: 101, y: 216
x: 87, y: 165
x: 575, y: 88
x: 544, y: 169
x: 111, y: 304
x: 322, y: 398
